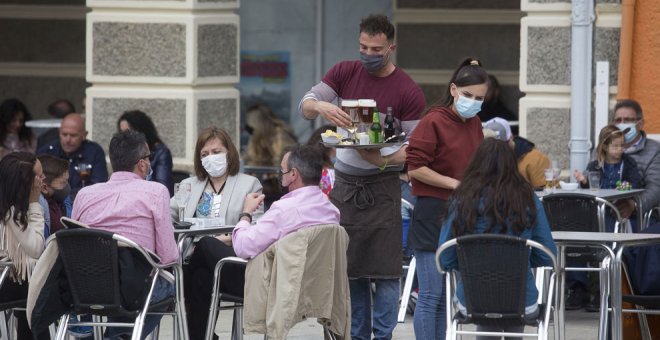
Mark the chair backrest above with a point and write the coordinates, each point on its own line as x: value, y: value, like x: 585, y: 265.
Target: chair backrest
x: 572, y: 212
x: 493, y: 269
x: 5, y: 270
x: 91, y: 262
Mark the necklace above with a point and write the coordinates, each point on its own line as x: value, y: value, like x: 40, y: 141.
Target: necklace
x: 217, y: 192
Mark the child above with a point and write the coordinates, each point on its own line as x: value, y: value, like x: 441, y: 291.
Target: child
x: 614, y: 165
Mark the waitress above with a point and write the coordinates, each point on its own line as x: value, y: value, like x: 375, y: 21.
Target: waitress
x: 440, y: 149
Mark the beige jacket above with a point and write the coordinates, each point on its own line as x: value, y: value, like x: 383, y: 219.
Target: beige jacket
x: 302, y: 275
x: 22, y: 246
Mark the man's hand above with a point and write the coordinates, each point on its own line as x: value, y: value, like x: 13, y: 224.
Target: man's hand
x: 372, y: 156
x: 333, y: 114
x: 626, y: 207
x: 252, y: 201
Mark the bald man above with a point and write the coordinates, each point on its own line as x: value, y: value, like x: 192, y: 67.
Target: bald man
x: 74, y: 147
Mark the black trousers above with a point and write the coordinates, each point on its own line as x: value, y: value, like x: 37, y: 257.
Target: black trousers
x: 12, y: 291
x: 199, y: 282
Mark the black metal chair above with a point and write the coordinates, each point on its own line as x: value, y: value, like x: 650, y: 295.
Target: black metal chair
x: 90, y: 258
x: 493, y: 269
x: 584, y: 213
x: 219, y: 296
x: 7, y: 323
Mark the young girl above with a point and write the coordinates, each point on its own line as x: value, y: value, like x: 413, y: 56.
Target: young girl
x: 493, y: 199
x: 614, y: 165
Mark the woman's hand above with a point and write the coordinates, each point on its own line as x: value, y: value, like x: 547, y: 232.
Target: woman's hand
x: 252, y: 201
x: 579, y: 177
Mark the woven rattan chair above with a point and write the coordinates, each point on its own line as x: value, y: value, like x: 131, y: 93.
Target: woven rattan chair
x: 584, y: 213
x: 493, y: 269
x: 91, y: 263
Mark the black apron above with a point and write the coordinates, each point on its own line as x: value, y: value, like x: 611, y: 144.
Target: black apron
x: 370, y: 208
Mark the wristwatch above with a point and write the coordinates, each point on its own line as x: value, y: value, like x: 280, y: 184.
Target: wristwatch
x: 245, y: 214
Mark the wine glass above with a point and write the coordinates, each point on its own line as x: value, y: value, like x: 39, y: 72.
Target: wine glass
x: 84, y: 171
x: 181, y: 195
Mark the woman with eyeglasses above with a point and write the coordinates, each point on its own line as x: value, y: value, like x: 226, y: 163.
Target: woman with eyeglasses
x: 21, y: 228
x: 161, y: 157
x: 217, y: 191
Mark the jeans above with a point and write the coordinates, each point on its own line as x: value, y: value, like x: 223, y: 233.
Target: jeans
x: 385, y: 307
x: 429, y: 321
x: 162, y: 290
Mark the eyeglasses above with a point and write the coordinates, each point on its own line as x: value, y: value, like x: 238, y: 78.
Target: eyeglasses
x: 625, y: 120
x: 147, y: 156
x: 282, y: 173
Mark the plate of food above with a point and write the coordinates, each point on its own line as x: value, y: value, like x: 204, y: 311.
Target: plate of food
x: 330, y: 137
x: 348, y: 144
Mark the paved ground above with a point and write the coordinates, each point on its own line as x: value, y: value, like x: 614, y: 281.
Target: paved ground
x: 579, y: 326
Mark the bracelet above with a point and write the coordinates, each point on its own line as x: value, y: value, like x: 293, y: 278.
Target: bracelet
x: 245, y: 214
x: 382, y: 167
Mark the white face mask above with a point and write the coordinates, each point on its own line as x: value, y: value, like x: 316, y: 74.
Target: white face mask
x: 215, y: 165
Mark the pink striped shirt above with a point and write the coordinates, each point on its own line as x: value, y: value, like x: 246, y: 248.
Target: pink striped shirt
x: 132, y: 207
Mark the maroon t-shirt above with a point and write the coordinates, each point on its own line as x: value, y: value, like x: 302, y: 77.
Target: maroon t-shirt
x: 445, y: 144
x: 351, y: 81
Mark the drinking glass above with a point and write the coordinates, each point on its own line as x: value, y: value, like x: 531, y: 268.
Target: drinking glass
x: 355, y: 121
x: 594, y: 180
x: 556, y: 173
x: 181, y: 195
x: 549, y: 180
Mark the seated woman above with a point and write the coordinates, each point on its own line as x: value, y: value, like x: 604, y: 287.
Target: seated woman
x: 14, y: 135
x: 493, y: 199
x: 56, y: 189
x: 21, y: 228
x: 217, y: 191
x: 161, y: 157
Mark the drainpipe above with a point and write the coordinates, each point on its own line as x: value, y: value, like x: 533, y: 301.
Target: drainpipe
x: 625, y: 48
x: 581, y: 55
x: 318, y: 53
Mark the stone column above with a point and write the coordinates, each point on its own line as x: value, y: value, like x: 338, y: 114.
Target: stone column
x: 545, y: 69
x: 175, y: 60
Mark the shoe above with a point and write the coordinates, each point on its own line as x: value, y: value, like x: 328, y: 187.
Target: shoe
x: 577, y: 298
x: 80, y: 331
x: 594, y: 304
x: 412, y: 302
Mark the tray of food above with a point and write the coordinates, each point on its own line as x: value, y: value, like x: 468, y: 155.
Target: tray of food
x: 333, y: 139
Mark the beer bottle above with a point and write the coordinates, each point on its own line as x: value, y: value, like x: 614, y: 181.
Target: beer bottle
x: 388, y: 127
x: 376, y: 132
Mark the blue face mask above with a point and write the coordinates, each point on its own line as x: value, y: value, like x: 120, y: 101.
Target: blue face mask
x: 631, y: 134
x: 150, y: 174
x: 466, y: 107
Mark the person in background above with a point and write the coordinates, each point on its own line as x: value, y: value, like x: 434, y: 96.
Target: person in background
x: 21, y: 229
x: 57, y: 109
x: 406, y: 211
x: 440, y: 148
x: 645, y: 151
x: 493, y: 105
x: 74, y: 147
x: 56, y: 189
x: 161, y: 157
x: 366, y: 188
x: 14, y: 135
x: 132, y: 207
x: 269, y: 136
x: 613, y: 165
x: 218, y: 190
x: 531, y: 161
x: 329, y: 154
x: 493, y: 199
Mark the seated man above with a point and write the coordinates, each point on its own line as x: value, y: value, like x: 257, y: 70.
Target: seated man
x: 80, y: 152
x: 305, y: 205
x: 130, y: 206
x: 56, y: 109
x: 531, y: 161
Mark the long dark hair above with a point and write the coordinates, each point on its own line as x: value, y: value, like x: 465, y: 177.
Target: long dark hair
x: 493, y: 188
x: 139, y: 121
x: 16, y: 180
x: 469, y: 72
x: 8, y: 110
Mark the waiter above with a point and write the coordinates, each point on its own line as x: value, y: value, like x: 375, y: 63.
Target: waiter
x: 366, y: 189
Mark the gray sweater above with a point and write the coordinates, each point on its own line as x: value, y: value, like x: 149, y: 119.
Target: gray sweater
x: 647, y: 156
